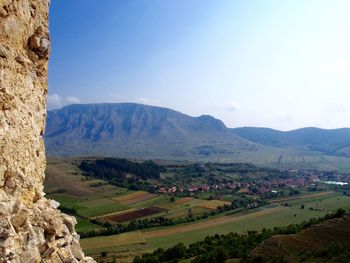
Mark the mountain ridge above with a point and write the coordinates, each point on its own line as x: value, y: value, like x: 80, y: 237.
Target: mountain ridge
x: 329, y: 141
x: 142, y: 131
x: 136, y: 126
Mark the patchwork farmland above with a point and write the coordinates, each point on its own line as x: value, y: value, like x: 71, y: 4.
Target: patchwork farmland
x: 255, y: 219
x: 106, y: 203
x: 165, y: 219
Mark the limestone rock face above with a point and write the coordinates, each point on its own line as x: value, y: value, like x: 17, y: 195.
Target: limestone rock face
x: 31, y: 227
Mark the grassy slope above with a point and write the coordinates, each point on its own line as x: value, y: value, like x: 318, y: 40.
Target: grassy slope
x: 79, y: 193
x: 315, y: 240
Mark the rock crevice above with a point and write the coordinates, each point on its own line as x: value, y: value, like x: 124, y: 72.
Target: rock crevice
x: 32, y: 229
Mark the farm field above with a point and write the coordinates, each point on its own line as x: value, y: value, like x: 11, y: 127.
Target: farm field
x: 184, y: 200
x: 96, y: 199
x: 134, y: 197
x: 256, y: 219
x: 135, y: 214
x: 122, y: 239
x: 213, y: 204
x: 323, y: 202
x: 298, y: 197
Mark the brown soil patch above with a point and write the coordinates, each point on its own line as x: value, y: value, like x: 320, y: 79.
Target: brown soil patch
x: 134, y: 197
x: 138, y: 199
x: 113, y: 214
x: 214, y: 204
x: 184, y: 200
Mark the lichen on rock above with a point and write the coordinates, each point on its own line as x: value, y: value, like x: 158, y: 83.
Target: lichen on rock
x: 32, y: 229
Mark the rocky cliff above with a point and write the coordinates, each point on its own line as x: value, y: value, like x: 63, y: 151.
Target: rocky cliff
x: 31, y: 227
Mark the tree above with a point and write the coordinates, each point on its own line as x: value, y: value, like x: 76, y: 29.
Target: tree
x: 340, y: 212
x: 221, y: 254
x: 176, y: 252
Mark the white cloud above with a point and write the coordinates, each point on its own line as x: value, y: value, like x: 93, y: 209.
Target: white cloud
x: 342, y: 66
x: 148, y: 101
x: 72, y: 100
x: 288, y: 117
x: 55, y: 101
x: 234, y: 106
x: 339, y: 109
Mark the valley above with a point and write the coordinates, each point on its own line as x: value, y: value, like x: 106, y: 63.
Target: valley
x: 183, y: 201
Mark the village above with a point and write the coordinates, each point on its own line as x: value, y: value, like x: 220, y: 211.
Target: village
x: 312, y: 179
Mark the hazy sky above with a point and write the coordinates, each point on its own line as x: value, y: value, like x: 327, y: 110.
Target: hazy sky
x: 280, y: 64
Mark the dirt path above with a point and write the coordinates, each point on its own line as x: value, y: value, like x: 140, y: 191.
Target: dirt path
x: 208, y: 223
x: 301, y: 196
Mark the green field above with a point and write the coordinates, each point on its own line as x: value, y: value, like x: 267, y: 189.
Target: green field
x: 85, y: 225
x: 239, y: 226
x: 257, y: 219
x: 99, y: 207
x: 327, y: 203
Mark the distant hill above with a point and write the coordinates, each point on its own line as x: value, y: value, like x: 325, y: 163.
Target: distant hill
x: 136, y: 130
x: 331, y: 142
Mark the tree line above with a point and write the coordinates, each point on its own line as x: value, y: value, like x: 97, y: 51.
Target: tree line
x: 115, y: 171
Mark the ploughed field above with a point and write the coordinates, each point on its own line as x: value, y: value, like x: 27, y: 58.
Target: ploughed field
x: 213, y: 204
x: 135, y: 197
x: 184, y: 200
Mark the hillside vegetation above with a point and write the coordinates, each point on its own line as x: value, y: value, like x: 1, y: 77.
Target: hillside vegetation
x: 325, y: 242
x: 219, y: 248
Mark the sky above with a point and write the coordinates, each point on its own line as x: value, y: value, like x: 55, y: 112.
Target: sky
x: 266, y: 63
